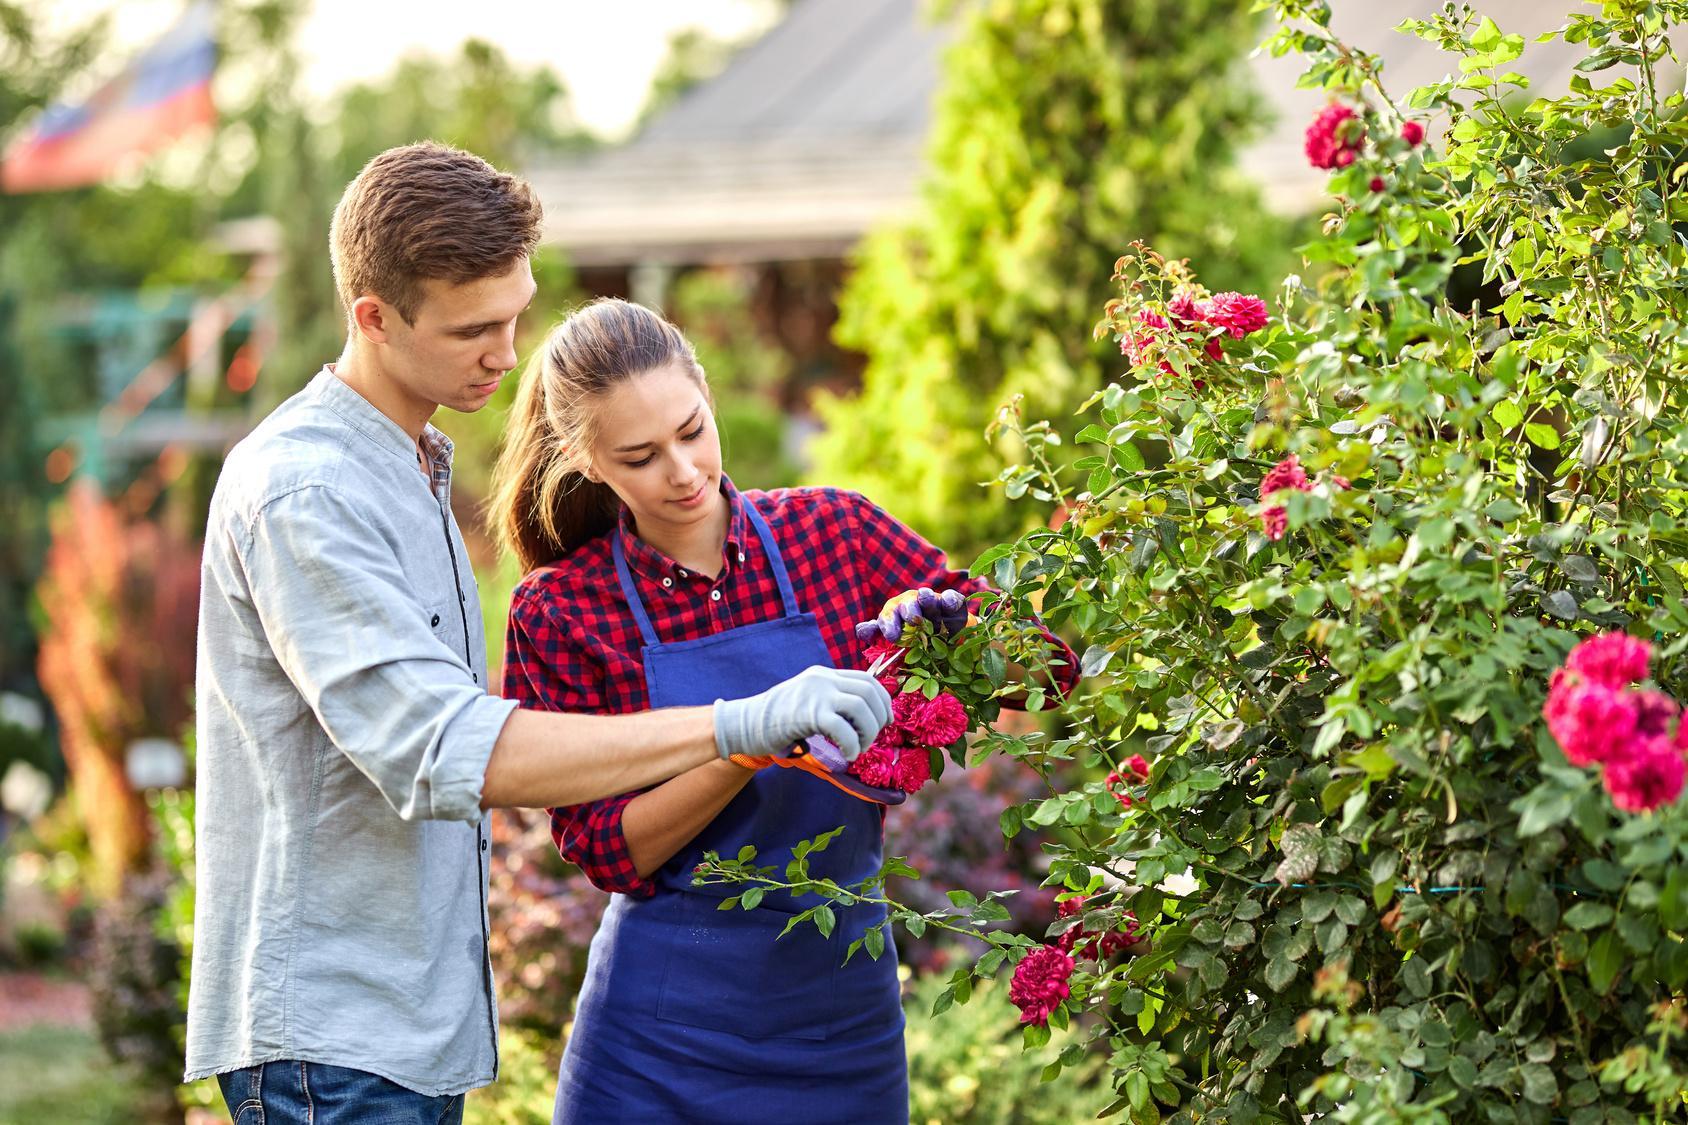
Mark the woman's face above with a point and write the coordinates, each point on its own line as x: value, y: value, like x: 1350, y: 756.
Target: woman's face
x: 657, y: 447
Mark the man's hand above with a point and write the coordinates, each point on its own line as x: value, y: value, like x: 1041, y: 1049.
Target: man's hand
x: 847, y: 706
x: 946, y: 611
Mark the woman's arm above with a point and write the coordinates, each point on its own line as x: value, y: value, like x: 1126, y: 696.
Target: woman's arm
x: 661, y: 821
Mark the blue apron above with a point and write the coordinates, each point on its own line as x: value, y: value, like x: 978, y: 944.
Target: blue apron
x: 689, y: 1013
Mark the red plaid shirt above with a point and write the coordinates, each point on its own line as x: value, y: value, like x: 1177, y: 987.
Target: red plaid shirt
x: 573, y: 644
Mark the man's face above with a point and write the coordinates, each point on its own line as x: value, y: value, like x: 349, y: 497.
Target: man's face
x: 463, y: 341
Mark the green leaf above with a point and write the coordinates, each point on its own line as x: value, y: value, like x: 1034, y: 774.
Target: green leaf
x: 1542, y: 435
x: 1673, y: 900
x: 990, y: 558
x: 1095, y: 659
x: 1300, y: 845
x: 1605, y: 961
x: 1506, y: 414
x: 1543, y: 807
x: 1009, y: 822
x: 1487, y: 36
x: 1280, y: 971
x: 1579, y: 568
x: 1588, y: 915
x: 825, y: 920
x: 1561, y: 604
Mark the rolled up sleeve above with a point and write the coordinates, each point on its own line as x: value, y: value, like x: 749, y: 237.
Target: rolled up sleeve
x: 356, y: 639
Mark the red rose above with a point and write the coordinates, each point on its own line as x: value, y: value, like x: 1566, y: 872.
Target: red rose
x: 1334, y: 138
x: 1040, y: 984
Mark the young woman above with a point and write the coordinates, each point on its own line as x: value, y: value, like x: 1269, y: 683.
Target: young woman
x: 654, y: 582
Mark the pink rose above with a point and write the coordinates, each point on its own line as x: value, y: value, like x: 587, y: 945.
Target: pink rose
x: 938, y: 721
x: 914, y: 768
x: 876, y: 766
x: 1184, y: 309
x: 1412, y: 132
x: 1040, y: 984
x: 1591, y: 722
x: 1287, y: 473
x: 1237, y: 313
x: 1334, y: 138
x: 1649, y: 776
x: 1612, y: 659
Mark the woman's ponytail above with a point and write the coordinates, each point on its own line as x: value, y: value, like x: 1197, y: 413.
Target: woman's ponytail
x: 543, y: 505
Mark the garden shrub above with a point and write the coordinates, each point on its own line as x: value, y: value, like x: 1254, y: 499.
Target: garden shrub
x: 1354, y: 571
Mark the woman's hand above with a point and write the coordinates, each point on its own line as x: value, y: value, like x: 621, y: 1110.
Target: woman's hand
x: 946, y: 611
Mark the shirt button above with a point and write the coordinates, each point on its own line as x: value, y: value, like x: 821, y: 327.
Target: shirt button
x: 668, y: 581
x: 681, y: 573
x: 435, y: 623
x: 714, y: 595
x: 741, y: 556
x: 483, y: 845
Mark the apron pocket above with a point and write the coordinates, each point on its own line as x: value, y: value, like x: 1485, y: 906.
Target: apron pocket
x: 731, y: 971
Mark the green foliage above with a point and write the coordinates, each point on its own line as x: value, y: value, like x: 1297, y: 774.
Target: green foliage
x: 1373, y: 887
x: 526, y: 1090
x: 1064, y: 128
x: 966, y: 1067
x: 60, y: 1074
x: 1348, y: 759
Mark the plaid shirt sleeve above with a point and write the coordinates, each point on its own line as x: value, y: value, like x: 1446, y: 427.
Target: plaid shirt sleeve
x: 545, y: 669
x: 900, y: 560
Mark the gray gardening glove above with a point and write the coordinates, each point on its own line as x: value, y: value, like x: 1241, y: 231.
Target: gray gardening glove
x: 847, y: 706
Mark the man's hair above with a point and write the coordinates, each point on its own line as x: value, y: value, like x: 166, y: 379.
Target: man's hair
x: 424, y: 212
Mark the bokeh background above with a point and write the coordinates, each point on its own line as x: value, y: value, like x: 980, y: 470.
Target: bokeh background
x: 878, y: 221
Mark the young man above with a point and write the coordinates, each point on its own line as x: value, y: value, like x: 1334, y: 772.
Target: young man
x: 348, y: 748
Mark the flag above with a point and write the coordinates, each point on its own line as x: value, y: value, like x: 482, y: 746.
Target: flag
x: 160, y: 96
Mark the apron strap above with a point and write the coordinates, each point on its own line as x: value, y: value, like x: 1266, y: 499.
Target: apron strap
x: 630, y: 591
x: 637, y: 604
x: 774, y: 559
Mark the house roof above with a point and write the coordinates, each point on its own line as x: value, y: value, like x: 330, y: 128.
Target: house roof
x: 815, y: 133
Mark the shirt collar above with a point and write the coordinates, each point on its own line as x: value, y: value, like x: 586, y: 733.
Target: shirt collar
x: 648, y: 562
x: 359, y: 413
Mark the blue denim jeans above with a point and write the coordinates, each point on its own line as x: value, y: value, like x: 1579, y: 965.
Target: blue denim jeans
x: 300, y: 1093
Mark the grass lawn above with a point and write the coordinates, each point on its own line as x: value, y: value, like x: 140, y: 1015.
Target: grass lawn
x: 60, y: 1074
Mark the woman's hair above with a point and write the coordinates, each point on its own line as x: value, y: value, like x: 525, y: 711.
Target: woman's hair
x: 543, y: 506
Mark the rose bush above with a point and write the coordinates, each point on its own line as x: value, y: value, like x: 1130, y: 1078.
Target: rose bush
x: 1329, y: 575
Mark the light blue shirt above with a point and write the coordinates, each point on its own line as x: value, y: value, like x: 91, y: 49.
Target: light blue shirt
x: 344, y: 730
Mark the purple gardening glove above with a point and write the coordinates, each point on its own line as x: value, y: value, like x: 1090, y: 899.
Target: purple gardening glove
x: 946, y: 611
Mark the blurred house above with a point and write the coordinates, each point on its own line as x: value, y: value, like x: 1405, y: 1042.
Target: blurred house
x: 172, y: 368
x: 815, y: 133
